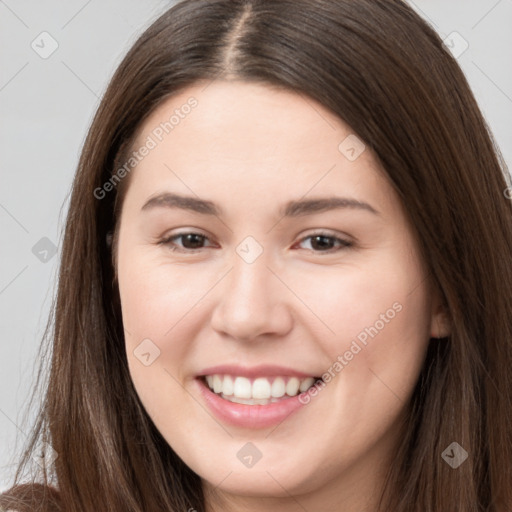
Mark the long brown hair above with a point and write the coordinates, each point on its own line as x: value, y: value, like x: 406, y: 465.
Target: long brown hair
x: 385, y: 72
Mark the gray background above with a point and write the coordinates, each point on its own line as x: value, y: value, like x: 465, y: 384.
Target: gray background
x: 47, y: 104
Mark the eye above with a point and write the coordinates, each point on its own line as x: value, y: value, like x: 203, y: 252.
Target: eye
x: 325, y: 241
x: 191, y: 241
x: 321, y: 242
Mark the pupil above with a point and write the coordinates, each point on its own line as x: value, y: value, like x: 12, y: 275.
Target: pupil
x: 322, y: 245
x: 192, y: 236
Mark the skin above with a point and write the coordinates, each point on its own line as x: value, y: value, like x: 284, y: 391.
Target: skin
x: 250, y: 148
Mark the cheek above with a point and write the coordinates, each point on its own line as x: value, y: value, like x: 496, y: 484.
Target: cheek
x: 163, y: 303
x: 377, y: 320
x: 154, y: 296
x: 158, y: 313
x: 380, y: 321
x: 355, y: 301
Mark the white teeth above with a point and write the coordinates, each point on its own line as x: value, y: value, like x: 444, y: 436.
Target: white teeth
x: 217, y: 383
x: 261, y: 388
x: 248, y: 401
x: 305, y: 384
x: 292, y: 386
x: 260, y: 391
x: 228, y: 386
x: 242, y: 388
x: 278, y: 387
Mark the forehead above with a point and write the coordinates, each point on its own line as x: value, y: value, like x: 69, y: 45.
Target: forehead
x: 253, y: 140
x: 278, y: 118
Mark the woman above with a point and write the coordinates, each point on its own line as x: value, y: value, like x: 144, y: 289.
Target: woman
x: 210, y: 351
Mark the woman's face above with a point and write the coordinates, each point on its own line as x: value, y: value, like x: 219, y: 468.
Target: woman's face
x: 284, y: 279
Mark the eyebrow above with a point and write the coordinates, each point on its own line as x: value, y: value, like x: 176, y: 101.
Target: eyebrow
x: 294, y: 208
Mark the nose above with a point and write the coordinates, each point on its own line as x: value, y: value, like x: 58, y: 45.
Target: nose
x: 253, y: 302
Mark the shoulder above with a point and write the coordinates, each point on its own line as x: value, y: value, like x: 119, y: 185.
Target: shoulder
x: 30, y: 497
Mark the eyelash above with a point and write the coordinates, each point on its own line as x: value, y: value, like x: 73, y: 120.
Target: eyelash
x: 344, y: 244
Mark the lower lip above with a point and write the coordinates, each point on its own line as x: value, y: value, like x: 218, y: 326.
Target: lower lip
x: 249, y: 416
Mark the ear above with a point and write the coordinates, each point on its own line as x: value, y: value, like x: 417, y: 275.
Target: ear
x: 440, y: 325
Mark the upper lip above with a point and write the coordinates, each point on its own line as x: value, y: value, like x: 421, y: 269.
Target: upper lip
x: 254, y: 371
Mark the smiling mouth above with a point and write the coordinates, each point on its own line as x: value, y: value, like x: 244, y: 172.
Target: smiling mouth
x: 258, y: 391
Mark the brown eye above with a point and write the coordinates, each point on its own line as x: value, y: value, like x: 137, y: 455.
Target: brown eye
x: 325, y: 243
x: 190, y: 242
